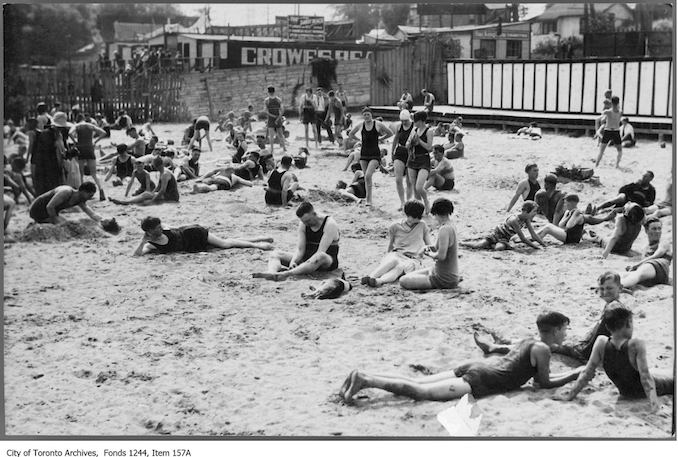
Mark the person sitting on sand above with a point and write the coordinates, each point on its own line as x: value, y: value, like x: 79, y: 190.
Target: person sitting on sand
x: 136, y: 148
x: 190, y: 238
x: 527, y: 188
x: 282, y: 184
x: 146, y: 184
x: 356, y: 191
x: 628, y: 135
x: 529, y: 359
x: 445, y: 272
x: 45, y: 208
x: 455, y: 148
x: 532, y: 131
x: 609, y: 288
x: 146, y: 130
x: 123, y: 166
x: 15, y: 176
x: 123, y: 122
x: 165, y: 191
x: 625, y: 362
x: 353, y: 157
x: 189, y: 168
x: 641, y: 192
x: 626, y: 230
x: 500, y: 237
x: 240, y: 145
x: 442, y: 174
x: 550, y: 199
x: 665, y: 207
x: 223, y: 178
x: 654, y: 268
x: 407, y: 241
x: 301, y: 158
x: 317, y: 250
x: 570, y: 228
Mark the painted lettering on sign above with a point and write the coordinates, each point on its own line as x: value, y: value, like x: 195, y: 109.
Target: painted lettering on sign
x: 292, y: 56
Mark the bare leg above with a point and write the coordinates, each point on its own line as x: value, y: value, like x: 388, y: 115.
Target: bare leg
x: 446, y: 389
x: 271, y: 138
x: 490, y: 348
x: 419, y: 190
x: 281, y: 137
x: 400, y: 171
x: 643, y: 273
x: 482, y: 244
x: 618, y: 200
x: 209, y: 142
x: 600, y: 153
x: 417, y: 280
x: 316, y: 262
x: 235, y: 179
x: 595, y: 220
x: 390, y: 276
x: 553, y: 230
x: 619, y: 154
x: 349, y: 195
x: 229, y: 243
x: 368, y: 169
x: 388, y: 263
x: 9, y: 206
x: 146, y: 196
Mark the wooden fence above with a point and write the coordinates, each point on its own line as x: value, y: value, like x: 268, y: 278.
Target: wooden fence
x: 644, y: 85
x: 413, y: 66
x: 140, y: 94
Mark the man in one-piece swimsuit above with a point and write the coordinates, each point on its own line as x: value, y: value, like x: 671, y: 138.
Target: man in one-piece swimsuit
x: 317, y: 249
x: 527, y: 188
x: 530, y: 359
x: 624, y: 360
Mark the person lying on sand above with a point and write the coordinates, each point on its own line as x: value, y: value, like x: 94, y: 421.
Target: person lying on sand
x: 190, y: 166
x: 624, y: 360
x: 500, y: 237
x: 641, y: 192
x: 626, y: 230
x: 527, y: 188
x: 165, y: 191
x: 317, y: 249
x: 45, y: 208
x: 664, y: 207
x: 190, y: 238
x: 407, y: 241
x: 609, y: 288
x: 530, y: 359
x: 571, y: 226
x: 532, y: 131
x: 654, y: 268
x: 356, y: 191
x: 441, y: 176
x: 223, y: 178
x: 282, y: 184
x: 250, y: 169
x: 445, y: 272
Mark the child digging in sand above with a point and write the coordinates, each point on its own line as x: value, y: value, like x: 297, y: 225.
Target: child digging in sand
x: 500, y: 237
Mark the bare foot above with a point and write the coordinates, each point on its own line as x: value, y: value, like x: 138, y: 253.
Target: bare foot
x: 357, y: 383
x: 372, y: 282
x: 269, y: 276
x: 346, y: 384
x: 265, y: 246
x: 483, y: 345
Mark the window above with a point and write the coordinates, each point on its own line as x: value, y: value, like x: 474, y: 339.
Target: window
x: 514, y: 49
x: 488, y: 48
x: 549, y: 27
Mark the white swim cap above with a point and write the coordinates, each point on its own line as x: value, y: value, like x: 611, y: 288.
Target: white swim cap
x: 404, y: 115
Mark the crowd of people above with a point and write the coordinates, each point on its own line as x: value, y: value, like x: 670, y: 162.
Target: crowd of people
x: 56, y: 156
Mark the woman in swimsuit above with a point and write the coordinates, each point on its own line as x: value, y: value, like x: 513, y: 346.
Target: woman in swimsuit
x: 219, y: 179
x: 399, y: 154
x: 190, y: 238
x: 372, y: 132
x: 420, y: 145
x: 123, y: 166
x: 654, y: 268
x: 571, y: 226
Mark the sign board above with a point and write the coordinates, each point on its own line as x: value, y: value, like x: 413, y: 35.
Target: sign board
x: 254, y: 53
x: 306, y: 28
x: 505, y: 33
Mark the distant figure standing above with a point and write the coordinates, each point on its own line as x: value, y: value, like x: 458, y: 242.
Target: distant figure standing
x: 612, y: 118
x: 429, y: 100
x: 202, y: 123
x: 419, y: 144
x: 307, y: 109
x: 43, y: 118
x: 82, y: 134
x: 274, y: 113
x: 400, y: 154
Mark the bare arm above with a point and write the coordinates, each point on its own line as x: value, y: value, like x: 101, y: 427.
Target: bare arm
x: 87, y: 210
x: 394, y: 145
x: 330, y: 233
x: 110, y: 171
x: 646, y: 378
x: 661, y: 251
x: 144, y: 247
x: 129, y: 184
x: 533, y: 234
x: 59, y: 197
x: 71, y: 133
x: 162, y: 187
x: 387, y: 132
x: 521, y: 235
x: 520, y: 190
x: 354, y: 130
x: 301, y: 245
x: 445, y: 238
x: 595, y: 359
x: 541, y: 355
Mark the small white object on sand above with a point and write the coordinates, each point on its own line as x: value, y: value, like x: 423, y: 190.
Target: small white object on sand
x: 463, y: 419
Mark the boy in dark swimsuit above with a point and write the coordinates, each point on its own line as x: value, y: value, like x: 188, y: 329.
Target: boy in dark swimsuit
x: 146, y: 184
x: 190, y: 238
x: 550, y: 199
x: 281, y: 184
x: 530, y: 359
x: 655, y: 267
x: 317, y: 250
x: 570, y: 228
x: 527, y: 188
x: 624, y: 360
x: 165, y: 191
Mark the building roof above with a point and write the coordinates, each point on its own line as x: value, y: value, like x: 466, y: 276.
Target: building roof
x: 130, y: 31
x: 379, y: 35
x: 555, y: 11
x: 208, y: 37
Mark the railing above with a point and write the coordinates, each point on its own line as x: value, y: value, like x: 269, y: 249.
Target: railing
x: 161, y: 65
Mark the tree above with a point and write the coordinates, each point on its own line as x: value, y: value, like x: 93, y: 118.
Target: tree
x: 394, y: 15
x: 366, y: 16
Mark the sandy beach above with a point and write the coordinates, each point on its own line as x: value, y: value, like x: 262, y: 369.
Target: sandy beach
x: 98, y: 342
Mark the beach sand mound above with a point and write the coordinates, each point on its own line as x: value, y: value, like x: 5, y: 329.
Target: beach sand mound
x: 46, y: 233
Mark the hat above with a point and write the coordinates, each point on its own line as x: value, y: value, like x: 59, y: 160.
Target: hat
x: 98, y: 115
x: 404, y: 115
x: 60, y: 120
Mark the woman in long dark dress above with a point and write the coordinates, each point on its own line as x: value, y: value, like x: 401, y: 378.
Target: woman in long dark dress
x: 48, y: 172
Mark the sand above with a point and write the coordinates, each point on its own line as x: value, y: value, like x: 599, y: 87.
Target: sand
x: 98, y: 342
